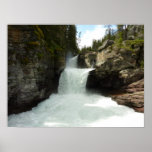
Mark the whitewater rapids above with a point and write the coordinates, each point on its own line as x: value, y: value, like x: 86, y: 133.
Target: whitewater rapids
x: 73, y: 106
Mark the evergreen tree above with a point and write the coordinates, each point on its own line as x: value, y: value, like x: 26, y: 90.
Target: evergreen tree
x: 109, y: 31
x: 71, y: 39
x: 60, y: 38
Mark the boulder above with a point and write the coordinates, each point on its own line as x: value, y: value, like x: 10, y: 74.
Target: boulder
x: 114, y: 68
x: 134, y: 100
x: 135, y: 86
x: 128, y: 76
x: 135, y: 32
x: 87, y: 59
x: 105, y: 44
x: 133, y: 96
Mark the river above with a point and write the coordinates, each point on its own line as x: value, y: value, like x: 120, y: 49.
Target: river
x: 73, y: 106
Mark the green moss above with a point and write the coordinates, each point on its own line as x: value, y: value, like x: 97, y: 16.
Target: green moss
x: 129, y: 44
x: 35, y: 43
x: 40, y: 55
x: 39, y: 32
x: 142, y: 64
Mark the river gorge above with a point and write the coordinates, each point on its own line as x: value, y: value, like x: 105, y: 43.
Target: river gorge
x: 73, y: 106
x: 54, y: 83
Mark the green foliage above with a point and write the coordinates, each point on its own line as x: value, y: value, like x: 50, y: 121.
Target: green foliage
x: 78, y: 51
x: 71, y: 40
x: 39, y: 32
x: 42, y: 42
x: 96, y: 44
x: 135, y: 42
x: 121, y: 41
x: 142, y: 64
x: 40, y: 55
x: 129, y: 44
x: 60, y: 39
x: 86, y: 49
x: 120, y: 27
x: 109, y: 33
x: 118, y: 41
x: 119, y: 37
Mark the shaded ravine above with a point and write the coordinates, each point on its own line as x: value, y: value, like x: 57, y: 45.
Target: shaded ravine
x: 73, y: 106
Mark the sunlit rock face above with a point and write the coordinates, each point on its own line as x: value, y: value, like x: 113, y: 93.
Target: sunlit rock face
x: 87, y: 59
x: 117, y: 64
x: 105, y: 45
x: 32, y: 73
x: 115, y: 68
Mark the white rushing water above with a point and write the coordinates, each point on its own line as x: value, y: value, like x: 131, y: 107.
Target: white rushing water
x: 73, y: 106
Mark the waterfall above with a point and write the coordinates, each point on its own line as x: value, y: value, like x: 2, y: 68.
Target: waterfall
x: 73, y: 106
x: 73, y: 80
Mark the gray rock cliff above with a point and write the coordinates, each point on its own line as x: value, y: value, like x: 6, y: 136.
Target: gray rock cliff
x: 36, y: 57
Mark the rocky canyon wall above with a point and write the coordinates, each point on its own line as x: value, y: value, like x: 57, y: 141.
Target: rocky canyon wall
x: 36, y: 57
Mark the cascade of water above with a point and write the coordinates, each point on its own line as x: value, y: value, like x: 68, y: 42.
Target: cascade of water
x: 74, y: 107
x: 72, y: 79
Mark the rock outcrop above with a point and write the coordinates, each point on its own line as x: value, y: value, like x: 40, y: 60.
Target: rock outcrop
x: 117, y: 64
x: 114, y: 68
x: 135, y: 32
x: 35, y: 62
x: 133, y: 96
x: 32, y: 72
x: 105, y: 45
x: 87, y: 59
